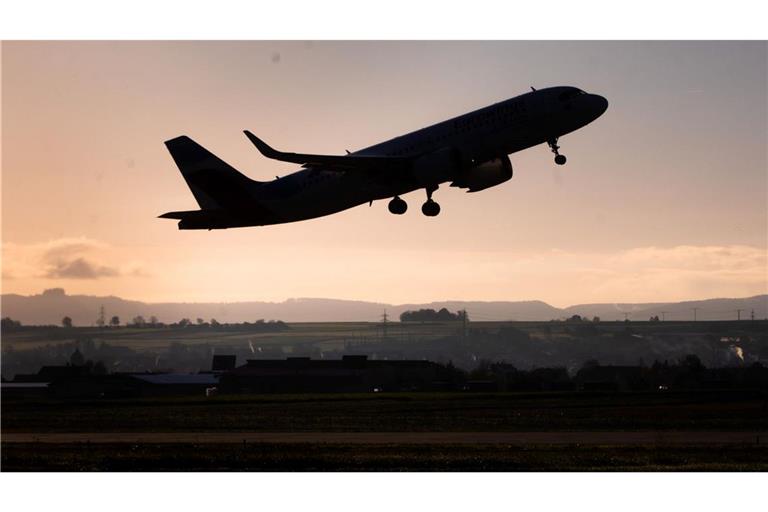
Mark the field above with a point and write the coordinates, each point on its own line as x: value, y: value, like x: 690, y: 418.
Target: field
x: 378, y: 457
x: 334, y: 335
x: 395, y: 412
x: 525, y: 345
x: 430, y: 431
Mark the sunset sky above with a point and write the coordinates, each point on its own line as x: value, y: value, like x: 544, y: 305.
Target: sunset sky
x: 664, y: 198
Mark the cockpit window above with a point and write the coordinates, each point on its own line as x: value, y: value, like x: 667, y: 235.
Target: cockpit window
x: 570, y: 94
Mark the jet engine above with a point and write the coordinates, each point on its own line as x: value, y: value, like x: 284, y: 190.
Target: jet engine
x: 485, y: 175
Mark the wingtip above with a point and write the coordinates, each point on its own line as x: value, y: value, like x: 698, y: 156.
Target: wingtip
x: 176, y: 140
x: 262, y: 146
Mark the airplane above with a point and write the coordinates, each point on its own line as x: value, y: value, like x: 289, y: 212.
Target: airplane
x: 470, y: 151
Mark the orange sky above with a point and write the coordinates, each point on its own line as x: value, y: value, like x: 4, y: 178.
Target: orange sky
x: 663, y: 198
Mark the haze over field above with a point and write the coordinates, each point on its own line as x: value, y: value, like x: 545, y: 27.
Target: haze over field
x: 663, y: 198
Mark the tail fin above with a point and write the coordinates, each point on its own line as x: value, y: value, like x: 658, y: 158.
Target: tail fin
x: 213, y: 182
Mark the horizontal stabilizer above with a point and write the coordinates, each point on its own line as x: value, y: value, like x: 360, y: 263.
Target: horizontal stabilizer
x: 177, y: 215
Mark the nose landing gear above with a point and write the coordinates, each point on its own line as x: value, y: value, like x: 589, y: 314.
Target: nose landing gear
x: 397, y: 206
x: 430, y: 208
x: 559, y: 159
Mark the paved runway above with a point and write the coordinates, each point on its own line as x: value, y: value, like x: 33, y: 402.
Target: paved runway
x: 511, y: 438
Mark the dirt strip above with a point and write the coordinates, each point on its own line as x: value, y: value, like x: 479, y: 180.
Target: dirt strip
x: 512, y: 438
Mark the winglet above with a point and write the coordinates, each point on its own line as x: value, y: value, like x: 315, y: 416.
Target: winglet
x: 264, y: 148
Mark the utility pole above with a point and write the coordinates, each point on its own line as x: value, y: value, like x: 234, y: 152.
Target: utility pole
x: 738, y: 314
x: 101, y: 321
x: 384, y: 320
x: 464, y: 322
x: 664, y: 316
x: 694, y: 313
x: 752, y: 315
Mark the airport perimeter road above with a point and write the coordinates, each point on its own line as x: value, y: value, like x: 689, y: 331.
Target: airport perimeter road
x: 645, y: 438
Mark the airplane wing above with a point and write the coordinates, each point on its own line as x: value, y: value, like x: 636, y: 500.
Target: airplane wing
x: 342, y: 163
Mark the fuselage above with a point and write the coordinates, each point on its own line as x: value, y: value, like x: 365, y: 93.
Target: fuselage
x: 499, y: 129
x: 480, y: 136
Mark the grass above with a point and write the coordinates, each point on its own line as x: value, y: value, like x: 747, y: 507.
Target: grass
x: 395, y: 412
x: 320, y: 457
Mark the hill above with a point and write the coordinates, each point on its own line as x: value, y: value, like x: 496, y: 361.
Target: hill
x: 50, y: 306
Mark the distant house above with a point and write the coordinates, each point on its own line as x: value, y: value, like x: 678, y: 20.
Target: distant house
x: 51, y: 373
x: 123, y: 385
x: 349, y: 374
x: 154, y: 384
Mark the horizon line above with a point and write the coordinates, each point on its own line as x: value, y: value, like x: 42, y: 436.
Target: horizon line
x: 64, y: 293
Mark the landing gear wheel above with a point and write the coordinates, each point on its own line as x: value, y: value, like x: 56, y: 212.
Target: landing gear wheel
x: 430, y: 208
x: 397, y: 206
x: 559, y: 159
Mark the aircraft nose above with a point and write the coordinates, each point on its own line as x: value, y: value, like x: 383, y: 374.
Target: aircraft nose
x: 599, y: 104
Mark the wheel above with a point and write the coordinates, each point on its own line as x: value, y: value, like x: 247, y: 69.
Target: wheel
x: 397, y: 206
x: 560, y: 159
x: 430, y: 208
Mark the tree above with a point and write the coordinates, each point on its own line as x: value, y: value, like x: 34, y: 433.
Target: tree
x: 596, y: 319
x: 66, y: 322
x: 214, y: 322
x: 139, y: 321
x: 200, y: 321
x: 77, y: 358
x: 184, y: 322
x: 692, y: 362
x: 153, y: 321
x: 114, y: 321
x: 9, y: 324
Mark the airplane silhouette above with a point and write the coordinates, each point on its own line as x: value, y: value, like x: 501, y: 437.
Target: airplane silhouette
x: 470, y: 151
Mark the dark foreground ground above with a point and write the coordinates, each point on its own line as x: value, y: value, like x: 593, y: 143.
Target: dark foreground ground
x: 691, y: 431
x: 377, y: 457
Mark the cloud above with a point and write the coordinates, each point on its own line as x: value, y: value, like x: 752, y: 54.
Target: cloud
x: 79, y: 268
x: 67, y: 258
x: 650, y: 274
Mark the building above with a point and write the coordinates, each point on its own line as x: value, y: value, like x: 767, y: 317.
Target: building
x: 349, y: 374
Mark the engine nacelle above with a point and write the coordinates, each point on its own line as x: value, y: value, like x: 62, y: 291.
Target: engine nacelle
x: 485, y: 175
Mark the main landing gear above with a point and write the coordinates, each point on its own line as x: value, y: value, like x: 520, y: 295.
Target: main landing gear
x: 559, y: 159
x: 397, y: 206
x: 430, y: 208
